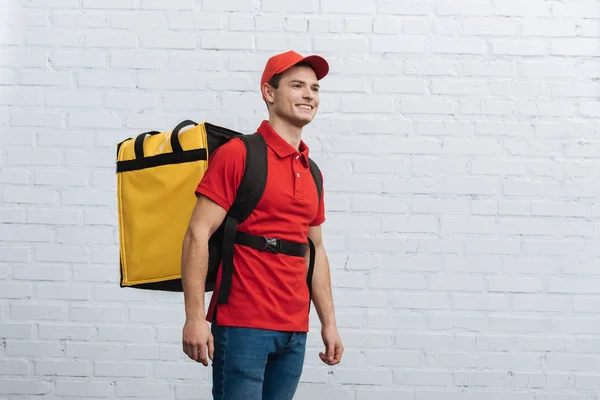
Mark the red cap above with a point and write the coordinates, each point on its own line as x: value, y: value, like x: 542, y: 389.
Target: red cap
x: 282, y: 62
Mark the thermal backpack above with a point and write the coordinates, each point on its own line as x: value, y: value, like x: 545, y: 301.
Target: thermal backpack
x: 157, y: 174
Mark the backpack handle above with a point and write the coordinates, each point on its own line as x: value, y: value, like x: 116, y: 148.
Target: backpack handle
x: 175, y: 145
x: 138, y: 146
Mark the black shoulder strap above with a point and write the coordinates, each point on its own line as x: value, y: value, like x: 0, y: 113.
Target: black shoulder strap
x: 316, y: 174
x: 318, y: 178
x: 247, y: 197
x: 254, y: 180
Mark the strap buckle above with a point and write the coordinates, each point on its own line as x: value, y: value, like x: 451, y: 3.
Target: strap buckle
x: 272, y: 245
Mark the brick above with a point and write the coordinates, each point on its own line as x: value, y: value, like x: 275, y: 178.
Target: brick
x: 278, y: 6
x: 40, y: 273
x: 126, y: 334
x: 361, y: 376
x: 456, y: 283
x: 459, y: 46
x: 14, y: 367
x: 412, y: 7
x: 463, y: 8
x: 85, y: 235
x: 489, y: 302
x: 107, y: 38
x: 535, y: 226
x: 62, y: 292
x: 96, y: 351
x: 14, y: 290
x: 88, y: 389
x: 53, y: 37
x: 372, y: 105
x: 66, y: 332
x: 513, y: 8
x: 387, y: 24
x: 97, y: 314
x: 518, y: 324
x: 490, y: 27
x: 492, y: 246
x: 24, y: 387
x: 547, y: 28
x: 376, y: 205
x: 406, y: 45
x: 145, y: 390
x: 25, y: 233
x: 576, y: 9
x: 63, y: 368
x: 53, y: 216
x: 13, y: 330
x: 168, y: 41
x: 31, y: 349
x: 78, y: 19
x: 154, y: 315
x: 384, y: 281
x: 109, y: 4
x: 229, y: 41
x: 575, y: 47
x: 391, y: 85
x: 136, y: 59
x: 229, y: 5
x: 421, y: 301
x: 347, y: 7
x: 123, y: 369
x: 515, y: 285
x: 95, y: 274
x: 453, y: 225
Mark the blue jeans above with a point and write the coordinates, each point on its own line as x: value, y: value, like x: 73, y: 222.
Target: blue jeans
x: 256, y: 364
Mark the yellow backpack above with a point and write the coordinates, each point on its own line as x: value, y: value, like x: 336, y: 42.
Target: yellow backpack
x: 157, y: 175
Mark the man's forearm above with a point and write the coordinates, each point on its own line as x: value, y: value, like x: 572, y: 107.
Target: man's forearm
x: 321, y: 284
x: 194, y: 266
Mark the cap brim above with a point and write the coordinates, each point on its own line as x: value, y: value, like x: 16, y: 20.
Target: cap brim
x: 317, y: 63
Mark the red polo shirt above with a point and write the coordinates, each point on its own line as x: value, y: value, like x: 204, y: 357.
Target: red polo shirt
x: 268, y: 291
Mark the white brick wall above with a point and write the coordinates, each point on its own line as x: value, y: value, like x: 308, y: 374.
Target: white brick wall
x: 459, y: 142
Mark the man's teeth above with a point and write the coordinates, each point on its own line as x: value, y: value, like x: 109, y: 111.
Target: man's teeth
x: 306, y: 107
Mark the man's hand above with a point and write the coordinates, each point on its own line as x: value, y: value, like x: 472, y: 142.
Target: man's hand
x: 333, y: 345
x: 197, y: 339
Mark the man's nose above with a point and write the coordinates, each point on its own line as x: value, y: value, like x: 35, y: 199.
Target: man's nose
x: 308, y: 94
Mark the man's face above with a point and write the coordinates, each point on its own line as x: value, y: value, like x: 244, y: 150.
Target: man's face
x: 297, y: 98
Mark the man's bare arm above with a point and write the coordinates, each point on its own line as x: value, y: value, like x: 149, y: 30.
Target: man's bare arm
x: 323, y: 300
x: 206, y: 219
x: 321, y: 283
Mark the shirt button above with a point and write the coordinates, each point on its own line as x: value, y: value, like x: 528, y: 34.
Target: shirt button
x: 298, y: 174
x: 297, y: 157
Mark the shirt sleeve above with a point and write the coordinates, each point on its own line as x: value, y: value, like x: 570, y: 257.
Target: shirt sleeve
x: 320, y: 218
x: 224, y: 173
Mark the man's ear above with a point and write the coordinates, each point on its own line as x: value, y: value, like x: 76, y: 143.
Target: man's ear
x: 268, y: 93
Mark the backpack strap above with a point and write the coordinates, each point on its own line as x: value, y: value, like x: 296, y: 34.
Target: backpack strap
x: 247, y: 197
x: 317, y: 177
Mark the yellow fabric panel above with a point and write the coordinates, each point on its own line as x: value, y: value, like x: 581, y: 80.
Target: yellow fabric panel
x: 155, y: 206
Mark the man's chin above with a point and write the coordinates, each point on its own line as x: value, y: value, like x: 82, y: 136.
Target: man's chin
x: 300, y: 122
x: 305, y: 119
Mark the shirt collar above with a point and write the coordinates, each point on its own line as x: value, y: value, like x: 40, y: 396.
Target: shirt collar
x: 279, y: 145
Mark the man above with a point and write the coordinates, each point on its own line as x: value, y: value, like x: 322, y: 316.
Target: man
x: 257, y: 340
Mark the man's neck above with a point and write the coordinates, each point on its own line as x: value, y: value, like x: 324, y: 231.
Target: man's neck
x: 289, y: 133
